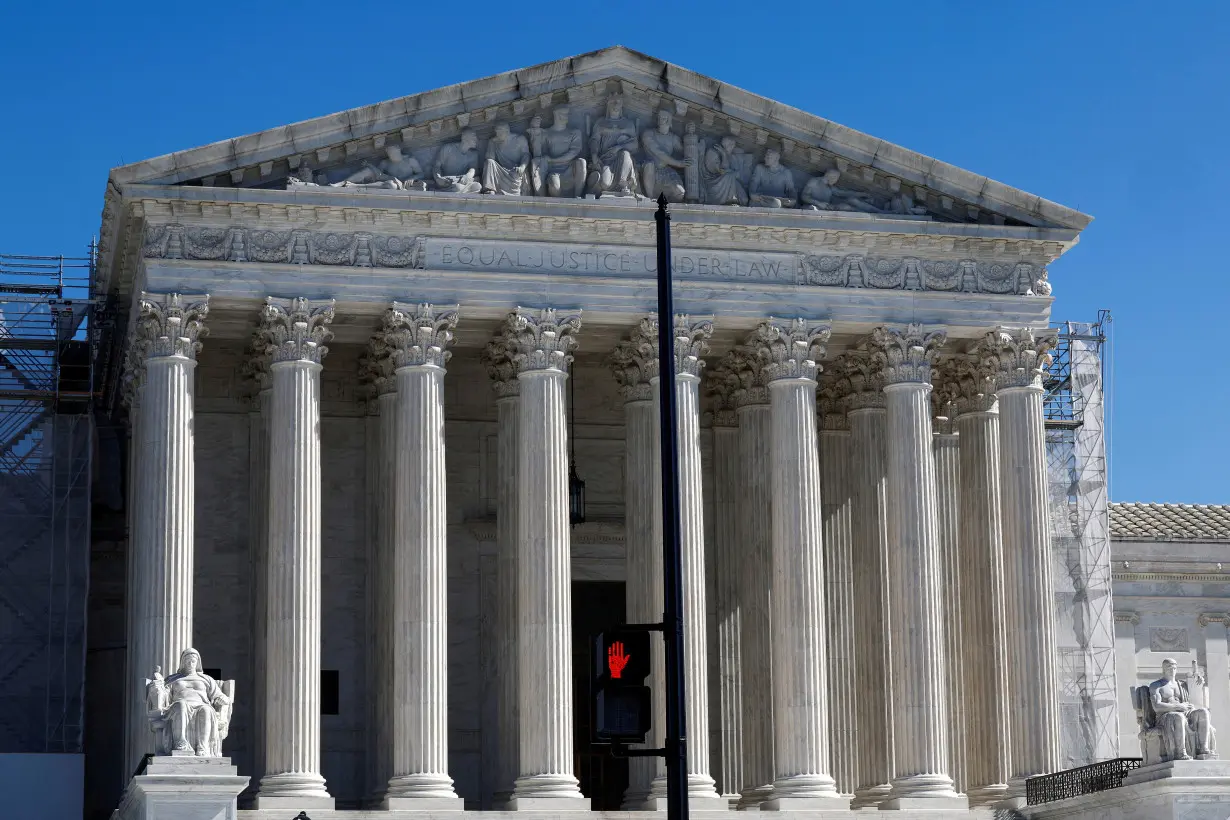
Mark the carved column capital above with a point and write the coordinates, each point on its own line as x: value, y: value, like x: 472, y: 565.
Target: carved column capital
x: 974, y: 377
x: 790, y: 347
x: 722, y: 385
x: 1206, y: 618
x: 542, y: 339
x: 133, y: 378
x: 376, y: 367
x: 749, y: 372
x: 419, y: 335
x: 1126, y: 617
x: 497, y: 357
x: 1019, y: 355
x: 944, y: 397
x: 295, y: 330
x: 255, y: 367
x: 909, y: 352
x: 634, y: 362
x: 866, y: 374
x: 834, y: 400
x: 171, y: 324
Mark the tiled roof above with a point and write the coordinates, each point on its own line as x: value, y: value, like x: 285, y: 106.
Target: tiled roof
x: 1170, y: 522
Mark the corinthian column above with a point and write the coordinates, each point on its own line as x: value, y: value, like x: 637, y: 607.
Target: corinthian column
x: 945, y: 449
x: 837, y: 521
x: 542, y: 343
x: 983, y: 623
x: 1019, y: 357
x: 800, y: 698
x: 498, y: 359
x: 168, y: 329
x: 294, y: 333
x: 418, y: 338
x: 915, y: 577
x: 756, y: 538
x: 136, y: 721
x: 872, y: 659
x: 634, y: 363
x: 727, y: 571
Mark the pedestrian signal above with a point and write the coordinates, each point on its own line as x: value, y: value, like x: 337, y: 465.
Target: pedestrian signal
x: 621, y: 702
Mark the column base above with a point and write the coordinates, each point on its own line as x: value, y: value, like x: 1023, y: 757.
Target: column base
x: 423, y: 804
x: 870, y: 797
x: 955, y: 803
x: 548, y: 804
x: 809, y: 804
x: 988, y: 796
x: 752, y: 797
x: 291, y: 803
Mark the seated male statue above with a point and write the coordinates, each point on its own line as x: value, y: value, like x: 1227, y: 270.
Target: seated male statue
x: 1185, y: 727
x: 396, y: 171
x: 611, y: 143
x: 664, y: 152
x: 557, y: 167
x: 508, y: 155
x: 720, y: 172
x: 456, y: 166
x: 772, y: 184
x: 188, y: 710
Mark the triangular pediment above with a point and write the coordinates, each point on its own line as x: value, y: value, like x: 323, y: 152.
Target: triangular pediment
x: 864, y: 173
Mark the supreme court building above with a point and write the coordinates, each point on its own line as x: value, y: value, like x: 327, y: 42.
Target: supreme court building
x: 367, y: 360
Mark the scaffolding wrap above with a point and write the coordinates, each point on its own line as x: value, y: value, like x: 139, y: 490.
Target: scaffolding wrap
x: 1080, y: 542
x: 46, y: 445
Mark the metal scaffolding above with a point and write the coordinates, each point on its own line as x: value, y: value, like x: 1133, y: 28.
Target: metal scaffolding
x: 1080, y: 541
x: 46, y: 446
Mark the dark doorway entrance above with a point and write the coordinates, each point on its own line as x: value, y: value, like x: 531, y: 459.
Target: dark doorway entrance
x: 596, y: 605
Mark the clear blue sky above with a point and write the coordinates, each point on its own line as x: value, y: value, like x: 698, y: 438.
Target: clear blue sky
x: 1119, y: 109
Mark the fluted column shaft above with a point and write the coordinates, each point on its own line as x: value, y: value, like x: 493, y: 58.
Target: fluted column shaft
x: 162, y: 599
x: 837, y: 520
x: 727, y: 571
x: 756, y: 534
x: 295, y: 330
x: 507, y: 409
x: 420, y: 601
x: 873, y: 662
x: 1029, y: 587
x: 137, y: 736
x: 544, y: 591
x: 692, y: 535
x: 988, y: 737
x: 383, y: 575
x: 947, y: 484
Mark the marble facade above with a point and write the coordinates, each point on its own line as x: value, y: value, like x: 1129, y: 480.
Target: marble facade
x: 349, y: 368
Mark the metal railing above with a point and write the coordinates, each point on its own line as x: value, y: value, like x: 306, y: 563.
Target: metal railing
x: 1097, y: 777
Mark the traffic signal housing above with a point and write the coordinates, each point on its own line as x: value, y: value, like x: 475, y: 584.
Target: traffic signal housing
x: 620, y: 699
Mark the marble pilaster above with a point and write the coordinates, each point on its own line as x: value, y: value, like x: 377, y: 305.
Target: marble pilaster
x: 945, y: 447
x: 983, y: 623
x: 872, y: 659
x: 756, y: 537
x: 1127, y: 674
x: 727, y: 570
x: 168, y: 329
x: 294, y: 332
x: 137, y: 739
x: 837, y: 521
x: 633, y: 364
x: 915, y: 575
x: 418, y: 338
x: 1019, y: 357
x: 802, y: 777
x: 257, y: 370
x: 498, y: 359
x: 543, y: 341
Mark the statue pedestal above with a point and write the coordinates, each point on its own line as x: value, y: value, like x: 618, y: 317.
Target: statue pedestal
x: 1174, y: 790
x: 183, y: 787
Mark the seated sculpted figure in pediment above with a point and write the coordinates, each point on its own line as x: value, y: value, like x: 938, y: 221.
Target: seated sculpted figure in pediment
x: 508, y: 155
x: 721, y: 173
x: 557, y: 167
x: 611, y: 144
x: 664, y: 159
x: 772, y: 184
x: 396, y: 171
x: 189, y: 712
x: 456, y: 166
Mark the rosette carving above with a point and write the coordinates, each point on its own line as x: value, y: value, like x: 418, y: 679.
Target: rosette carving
x: 269, y: 246
x: 296, y: 329
x: 909, y: 352
x: 419, y: 335
x: 542, y: 339
x: 1019, y: 355
x: 172, y: 323
x: 790, y: 348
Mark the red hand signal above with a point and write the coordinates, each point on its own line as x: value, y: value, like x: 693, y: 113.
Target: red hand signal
x: 616, y: 660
